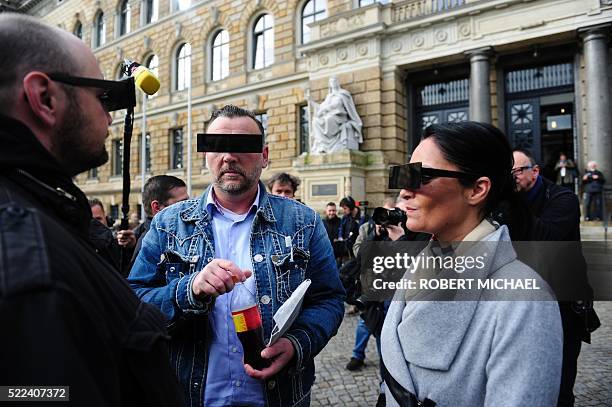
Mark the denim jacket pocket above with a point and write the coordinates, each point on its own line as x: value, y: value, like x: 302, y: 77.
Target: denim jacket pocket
x: 174, y: 265
x: 290, y: 270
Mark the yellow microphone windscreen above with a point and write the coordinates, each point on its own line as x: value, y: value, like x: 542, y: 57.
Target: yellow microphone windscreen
x: 145, y: 80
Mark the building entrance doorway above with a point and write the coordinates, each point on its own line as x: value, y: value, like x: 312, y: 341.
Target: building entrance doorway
x: 540, y: 113
x: 439, y: 102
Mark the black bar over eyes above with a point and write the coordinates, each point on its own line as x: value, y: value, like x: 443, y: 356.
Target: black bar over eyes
x: 117, y: 94
x: 230, y: 143
x: 413, y: 175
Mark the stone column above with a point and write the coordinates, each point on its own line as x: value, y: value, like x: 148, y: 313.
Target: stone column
x: 480, y: 87
x: 598, y: 107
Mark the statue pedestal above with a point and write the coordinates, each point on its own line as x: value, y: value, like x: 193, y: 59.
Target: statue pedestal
x: 330, y: 177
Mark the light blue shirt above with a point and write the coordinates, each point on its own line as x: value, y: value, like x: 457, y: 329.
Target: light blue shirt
x: 226, y: 382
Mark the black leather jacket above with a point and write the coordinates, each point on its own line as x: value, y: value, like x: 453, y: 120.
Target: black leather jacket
x: 69, y: 319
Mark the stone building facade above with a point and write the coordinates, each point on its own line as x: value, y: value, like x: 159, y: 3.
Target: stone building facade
x: 538, y: 69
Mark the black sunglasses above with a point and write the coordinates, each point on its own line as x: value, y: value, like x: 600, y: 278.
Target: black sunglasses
x: 519, y: 170
x: 413, y: 175
x: 117, y: 94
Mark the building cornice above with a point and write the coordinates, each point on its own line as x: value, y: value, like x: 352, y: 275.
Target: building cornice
x: 259, y: 87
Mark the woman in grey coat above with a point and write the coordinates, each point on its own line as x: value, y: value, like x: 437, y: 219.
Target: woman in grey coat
x: 470, y: 347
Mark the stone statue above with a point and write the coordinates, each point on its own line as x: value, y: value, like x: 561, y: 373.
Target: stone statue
x: 336, y: 125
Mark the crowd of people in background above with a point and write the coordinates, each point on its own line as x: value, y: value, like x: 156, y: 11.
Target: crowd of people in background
x: 345, y: 232
x: 144, y: 316
x: 552, y: 204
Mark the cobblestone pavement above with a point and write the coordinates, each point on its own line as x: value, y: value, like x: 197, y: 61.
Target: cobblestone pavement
x: 336, y: 386
x: 594, y: 382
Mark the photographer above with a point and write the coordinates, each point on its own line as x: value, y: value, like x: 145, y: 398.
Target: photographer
x: 369, y: 231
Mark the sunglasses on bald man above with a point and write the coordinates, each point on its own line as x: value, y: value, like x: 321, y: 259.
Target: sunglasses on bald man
x: 116, y: 95
x: 414, y: 175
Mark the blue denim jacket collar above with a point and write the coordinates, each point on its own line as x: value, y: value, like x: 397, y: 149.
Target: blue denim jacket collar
x: 197, y: 211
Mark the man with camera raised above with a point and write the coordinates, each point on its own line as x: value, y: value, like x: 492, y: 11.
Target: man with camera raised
x: 369, y: 231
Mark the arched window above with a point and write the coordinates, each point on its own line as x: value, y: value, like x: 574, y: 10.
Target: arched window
x: 151, y: 11
x: 263, y: 42
x: 153, y: 64
x: 220, y: 55
x: 99, y: 30
x: 78, y: 30
x: 183, y: 67
x: 124, y: 17
x: 313, y: 10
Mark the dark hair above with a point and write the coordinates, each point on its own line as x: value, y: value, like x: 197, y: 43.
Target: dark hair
x: 284, y: 178
x: 331, y: 204
x: 527, y: 153
x: 348, y: 201
x: 34, y: 46
x: 158, y: 189
x: 482, y: 149
x: 232, y: 111
x: 95, y: 202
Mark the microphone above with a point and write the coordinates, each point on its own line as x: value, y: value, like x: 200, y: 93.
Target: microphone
x: 145, y: 79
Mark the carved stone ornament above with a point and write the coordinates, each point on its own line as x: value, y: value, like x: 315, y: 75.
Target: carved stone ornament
x: 119, y: 52
x: 418, y: 40
x: 342, y: 54
x: 396, y: 45
x: 465, y: 30
x: 146, y: 41
x: 441, y: 36
x: 214, y: 14
x: 362, y: 50
x: 254, y: 102
x: 323, y: 59
x: 178, y: 29
x: 336, y: 125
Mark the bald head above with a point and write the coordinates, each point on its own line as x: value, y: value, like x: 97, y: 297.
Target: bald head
x: 34, y: 46
x: 70, y: 122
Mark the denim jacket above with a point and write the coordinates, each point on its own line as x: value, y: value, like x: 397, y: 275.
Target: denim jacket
x: 180, y: 243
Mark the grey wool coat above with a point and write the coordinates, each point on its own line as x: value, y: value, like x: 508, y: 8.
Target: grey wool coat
x: 491, y: 351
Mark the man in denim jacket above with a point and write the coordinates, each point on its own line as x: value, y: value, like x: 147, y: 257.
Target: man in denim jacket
x: 235, y: 229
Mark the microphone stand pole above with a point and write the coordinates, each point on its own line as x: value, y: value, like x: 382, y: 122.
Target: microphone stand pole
x: 125, y: 203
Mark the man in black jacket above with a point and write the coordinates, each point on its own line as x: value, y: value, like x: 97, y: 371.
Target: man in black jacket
x: 68, y: 318
x: 556, y: 218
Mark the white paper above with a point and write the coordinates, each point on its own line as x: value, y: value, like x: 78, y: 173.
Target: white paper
x: 288, y: 312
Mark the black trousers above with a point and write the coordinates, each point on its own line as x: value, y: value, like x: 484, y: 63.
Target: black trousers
x: 573, y: 329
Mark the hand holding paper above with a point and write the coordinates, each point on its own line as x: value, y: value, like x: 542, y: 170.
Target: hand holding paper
x: 288, y: 312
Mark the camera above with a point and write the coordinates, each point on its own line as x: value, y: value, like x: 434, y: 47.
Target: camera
x: 384, y: 217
